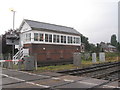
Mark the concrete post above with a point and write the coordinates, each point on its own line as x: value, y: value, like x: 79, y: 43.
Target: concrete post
x: 94, y: 57
x: 29, y: 63
x: 102, y: 57
x: 77, y: 59
x: 87, y: 56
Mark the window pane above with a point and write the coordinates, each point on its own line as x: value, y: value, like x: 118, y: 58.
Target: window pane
x: 54, y: 38
x: 35, y: 36
x: 57, y: 38
x: 74, y: 40
x: 29, y: 36
x: 50, y: 37
x: 77, y: 40
x: 62, y: 39
x: 40, y: 37
x: 46, y: 37
x: 70, y: 39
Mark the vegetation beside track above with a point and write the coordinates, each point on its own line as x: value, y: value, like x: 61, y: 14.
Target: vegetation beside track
x: 84, y: 63
x: 110, y: 57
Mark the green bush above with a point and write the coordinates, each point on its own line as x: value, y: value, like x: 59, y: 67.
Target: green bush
x: 109, y: 54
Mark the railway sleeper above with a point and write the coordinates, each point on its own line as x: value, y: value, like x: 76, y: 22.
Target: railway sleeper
x: 100, y: 76
x: 90, y: 70
x: 91, y: 67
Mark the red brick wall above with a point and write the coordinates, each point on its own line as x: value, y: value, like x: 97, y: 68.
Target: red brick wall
x: 47, y: 53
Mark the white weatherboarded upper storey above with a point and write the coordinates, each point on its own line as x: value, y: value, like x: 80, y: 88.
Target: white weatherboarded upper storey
x: 45, y: 33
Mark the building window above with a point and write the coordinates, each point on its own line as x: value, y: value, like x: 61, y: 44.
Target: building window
x: 62, y: 40
x: 28, y: 37
x: 41, y: 37
x: 54, y: 38
x: 46, y: 37
x: 57, y: 38
x: 77, y: 40
x: 74, y: 40
x: 69, y: 39
x: 50, y: 37
x: 35, y: 36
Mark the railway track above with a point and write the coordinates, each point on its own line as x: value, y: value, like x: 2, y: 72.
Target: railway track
x: 108, y: 74
x: 90, y: 69
x: 110, y: 77
x: 98, y: 71
x: 107, y: 71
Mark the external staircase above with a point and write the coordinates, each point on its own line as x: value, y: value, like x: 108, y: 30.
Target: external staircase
x: 19, y: 55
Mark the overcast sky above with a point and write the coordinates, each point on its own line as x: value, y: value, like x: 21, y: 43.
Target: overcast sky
x: 95, y: 19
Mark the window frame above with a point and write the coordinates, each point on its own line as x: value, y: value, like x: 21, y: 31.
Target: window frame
x: 41, y: 37
x: 28, y: 37
x: 58, y: 38
x: 50, y: 38
x: 54, y: 38
x: 36, y: 37
x: 46, y: 38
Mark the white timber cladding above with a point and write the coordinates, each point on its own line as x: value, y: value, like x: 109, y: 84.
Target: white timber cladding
x: 25, y: 27
x: 43, y: 37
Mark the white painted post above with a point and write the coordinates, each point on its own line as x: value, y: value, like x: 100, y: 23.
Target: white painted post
x: 102, y: 57
x: 94, y: 57
x: 77, y: 59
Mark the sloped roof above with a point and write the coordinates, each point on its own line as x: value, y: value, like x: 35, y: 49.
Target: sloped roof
x: 110, y: 46
x: 104, y: 45
x: 51, y: 27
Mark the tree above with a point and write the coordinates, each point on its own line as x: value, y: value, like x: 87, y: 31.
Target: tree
x: 92, y: 48
x: 85, y: 41
x: 8, y: 48
x: 118, y: 46
x: 113, y: 40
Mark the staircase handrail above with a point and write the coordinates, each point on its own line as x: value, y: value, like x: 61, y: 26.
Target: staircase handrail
x: 18, y: 54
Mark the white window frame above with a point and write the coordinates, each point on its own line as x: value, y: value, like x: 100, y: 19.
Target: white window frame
x: 40, y: 37
x: 62, y: 43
